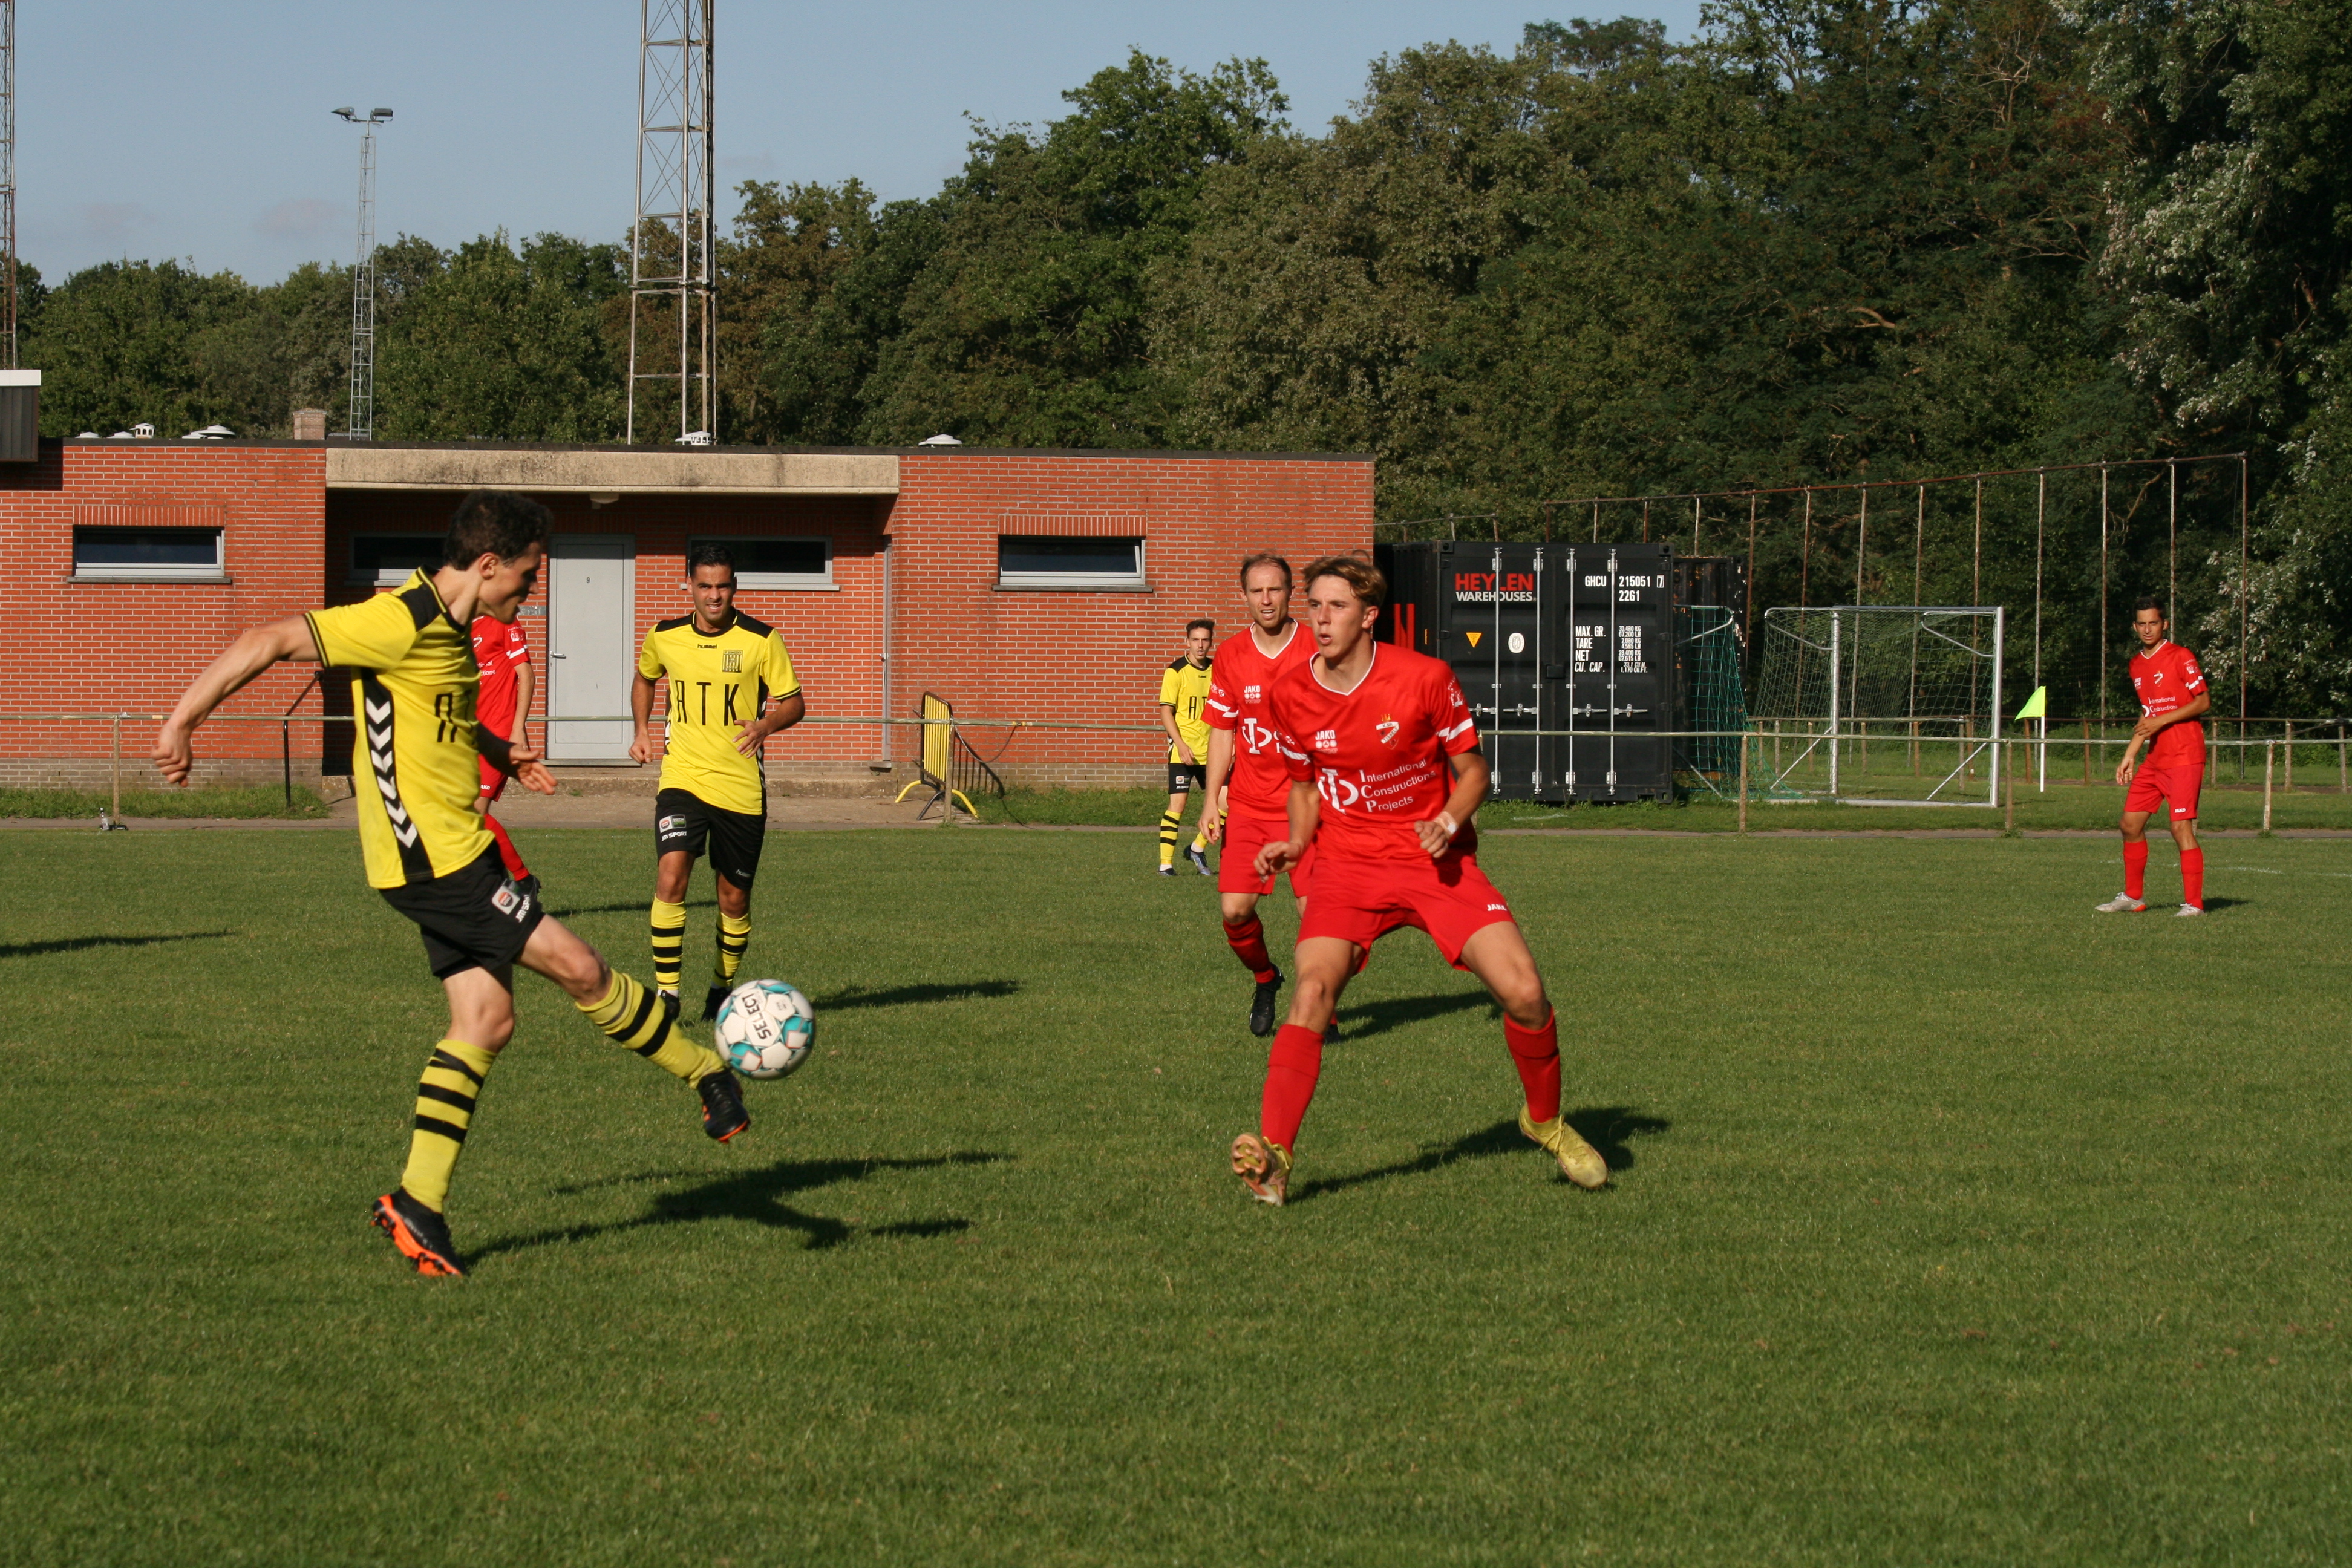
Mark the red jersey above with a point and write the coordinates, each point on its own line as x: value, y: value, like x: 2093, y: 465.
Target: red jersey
x: 498, y: 649
x: 2164, y: 679
x: 1241, y: 698
x: 1376, y: 754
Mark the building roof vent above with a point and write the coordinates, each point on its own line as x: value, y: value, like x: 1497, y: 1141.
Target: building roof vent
x: 143, y: 432
x: 209, y: 433
x: 87, y: 435
x: 942, y: 439
x: 120, y: 436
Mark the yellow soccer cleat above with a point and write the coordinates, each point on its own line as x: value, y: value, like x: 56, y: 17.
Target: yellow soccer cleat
x: 1579, y: 1162
x: 1264, y: 1166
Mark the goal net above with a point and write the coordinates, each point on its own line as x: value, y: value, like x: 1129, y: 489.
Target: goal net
x: 1879, y: 704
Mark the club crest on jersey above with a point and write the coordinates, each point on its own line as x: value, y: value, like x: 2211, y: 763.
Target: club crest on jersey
x: 731, y: 661
x: 1326, y: 739
x: 1388, y: 727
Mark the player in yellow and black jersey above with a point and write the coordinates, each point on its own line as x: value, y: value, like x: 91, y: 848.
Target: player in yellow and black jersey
x: 732, y: 686
x: 415, y: 682
x: 1184, y: 699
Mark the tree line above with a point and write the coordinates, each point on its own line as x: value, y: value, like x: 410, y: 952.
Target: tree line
x: 1825, y: 240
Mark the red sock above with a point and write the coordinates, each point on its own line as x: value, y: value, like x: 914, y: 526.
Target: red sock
x: 2192, y: 877
x: 1536, y: 1053
x: 2134, y: 868
x: 1291, y: 1068
x: 515, y: 867
x: 1248, y: 942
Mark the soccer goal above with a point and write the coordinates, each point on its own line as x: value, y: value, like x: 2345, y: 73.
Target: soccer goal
x: 1880, y: 704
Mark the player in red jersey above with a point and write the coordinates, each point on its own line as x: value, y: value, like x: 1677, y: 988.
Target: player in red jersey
x: 2172, y: 693
x: 1385, y: 779
x: 503, y: 654
x: 1246, y: 766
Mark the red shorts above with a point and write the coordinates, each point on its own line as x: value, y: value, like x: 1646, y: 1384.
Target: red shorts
x: 2176, y: 786
x: 494, y: 782
x: 1237, y: 859
x: 1362, y: 900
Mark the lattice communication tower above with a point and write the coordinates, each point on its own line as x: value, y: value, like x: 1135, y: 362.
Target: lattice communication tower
x: 363, y: 280
x: 672, y: 280
x: 8, y: 174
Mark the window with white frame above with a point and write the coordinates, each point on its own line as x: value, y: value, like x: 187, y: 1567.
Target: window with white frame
x: 385, y: 560
x: 776, y: 561
x: 194, y: 554
x: 1057, y: 560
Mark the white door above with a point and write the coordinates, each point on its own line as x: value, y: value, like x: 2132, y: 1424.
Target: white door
x: 591, y: 622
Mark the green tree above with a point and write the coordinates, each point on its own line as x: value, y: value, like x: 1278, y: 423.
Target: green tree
x: 117, y: 345
x: 504, y: 343
x: 1027, y: 324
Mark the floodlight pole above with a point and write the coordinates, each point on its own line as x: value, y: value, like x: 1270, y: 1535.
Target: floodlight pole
x: 363, y: 416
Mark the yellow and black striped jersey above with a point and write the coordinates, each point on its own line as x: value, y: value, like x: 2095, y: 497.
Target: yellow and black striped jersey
x: 1185, y: 687
x: 413, y: 687
x: 717, y: 684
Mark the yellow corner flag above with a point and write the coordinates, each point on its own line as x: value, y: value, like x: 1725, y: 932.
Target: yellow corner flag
x: 2036, y: 706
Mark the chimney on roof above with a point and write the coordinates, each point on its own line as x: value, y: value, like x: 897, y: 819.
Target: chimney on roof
x: 310, y: 425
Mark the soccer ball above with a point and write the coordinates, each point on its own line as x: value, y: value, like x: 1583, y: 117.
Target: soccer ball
x: 765, y: 1028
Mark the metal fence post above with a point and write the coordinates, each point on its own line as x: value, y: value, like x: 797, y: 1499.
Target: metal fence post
x: 2270, y: 757
x: 1743, y: 782
x: 115, y: 767
x: 2004, y: 754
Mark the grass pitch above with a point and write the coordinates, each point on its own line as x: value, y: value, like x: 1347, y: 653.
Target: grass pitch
x: 1952, y: 1223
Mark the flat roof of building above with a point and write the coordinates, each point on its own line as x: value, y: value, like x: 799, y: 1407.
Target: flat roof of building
x: 605, y: 470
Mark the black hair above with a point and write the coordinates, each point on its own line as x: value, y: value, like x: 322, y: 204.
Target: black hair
x: 2148, y: 604
x: 1191, y: 626
x: 494, y: 522
x: 708, y: 552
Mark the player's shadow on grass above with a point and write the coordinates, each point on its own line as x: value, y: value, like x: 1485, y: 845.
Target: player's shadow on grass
x: 757, y: 1195
x: 1607, y: 1128
x: 902, y: 995
x: 2213, y: 904
x: 77, y: 944
x: 640, y: 906
x: 1380, y: 1017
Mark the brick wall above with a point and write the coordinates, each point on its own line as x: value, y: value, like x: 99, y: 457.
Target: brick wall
x: 995, y: 653
x: 835, y: 638
x: 88, y: 647
x: 1094, y: 656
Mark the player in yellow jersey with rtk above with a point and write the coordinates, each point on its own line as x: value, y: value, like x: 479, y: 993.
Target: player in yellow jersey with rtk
x: 732, y: 686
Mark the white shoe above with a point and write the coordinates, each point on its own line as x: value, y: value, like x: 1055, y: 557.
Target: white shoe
x: 2187, y: 909
x: 2122, y: 904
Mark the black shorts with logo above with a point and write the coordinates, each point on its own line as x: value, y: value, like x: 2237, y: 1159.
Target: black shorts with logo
x: 683, y: 820
x: 1185, y: 777
x: 471, y: 918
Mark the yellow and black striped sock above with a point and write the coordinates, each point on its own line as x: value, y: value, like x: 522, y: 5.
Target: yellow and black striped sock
x: 634, y: 1016
x: 1168, y: 825
x: 1201, y: 834
x: 734, y: 936
x: 444, y: 1108
x: 669, y: 942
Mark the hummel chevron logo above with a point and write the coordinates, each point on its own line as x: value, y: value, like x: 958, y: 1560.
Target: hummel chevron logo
x: 379, y: 714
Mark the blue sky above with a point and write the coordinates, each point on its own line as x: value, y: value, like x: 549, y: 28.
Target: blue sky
x: 203, y: 132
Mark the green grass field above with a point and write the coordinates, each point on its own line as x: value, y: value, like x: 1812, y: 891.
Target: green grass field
x: 1951, y: 1223
x: 228, y: 800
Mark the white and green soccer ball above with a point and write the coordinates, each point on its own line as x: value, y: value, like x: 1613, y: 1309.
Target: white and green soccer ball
x: 765, y: 1028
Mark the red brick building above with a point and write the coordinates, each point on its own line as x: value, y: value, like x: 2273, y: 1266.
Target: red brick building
x: 1047, y: 586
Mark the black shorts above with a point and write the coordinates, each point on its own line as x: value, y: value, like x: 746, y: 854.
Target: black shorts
x: 1185, y: 777
x: 471, y: 918
x: 683, y: 820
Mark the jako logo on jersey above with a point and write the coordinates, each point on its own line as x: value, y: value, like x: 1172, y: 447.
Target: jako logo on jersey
x: 1388, y: 728
x: 1326, y: 739
x: 1337, y: 791
x: 1252, y: 693
x: 1504, y: 909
